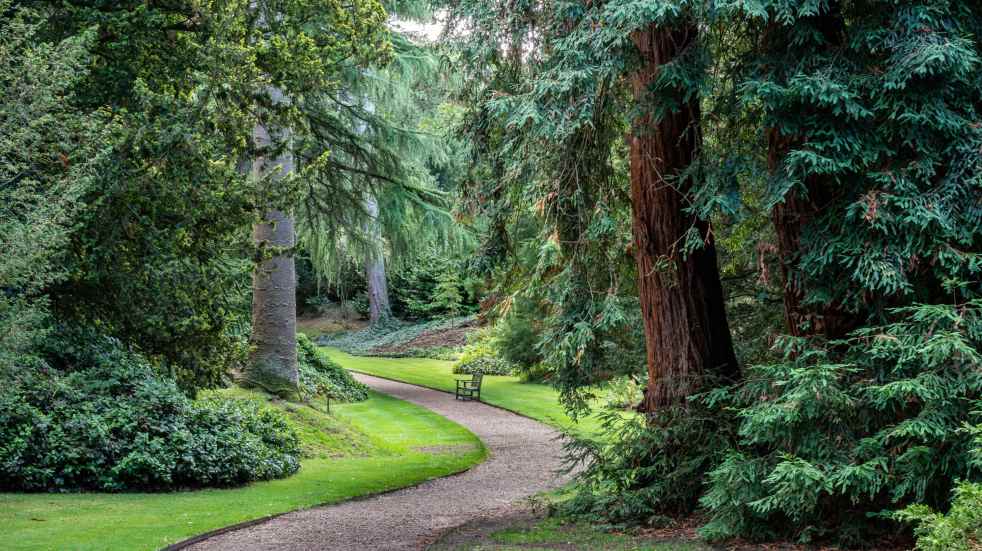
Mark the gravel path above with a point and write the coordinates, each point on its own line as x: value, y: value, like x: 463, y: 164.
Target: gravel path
x: 525, y: 456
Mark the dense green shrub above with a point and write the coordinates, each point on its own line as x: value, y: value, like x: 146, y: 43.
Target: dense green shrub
x: 647, y: 469
x: 960, y: 529
x: 321, y: 376
x: 98, y: 417
x: 482, y: 357
x: 517, y: 335
x: 833, y: 447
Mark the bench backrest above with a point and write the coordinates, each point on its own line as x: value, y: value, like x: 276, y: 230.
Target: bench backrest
x: 476, y: 378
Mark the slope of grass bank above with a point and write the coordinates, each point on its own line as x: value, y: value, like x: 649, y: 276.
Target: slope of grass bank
x: 358, y: 449
x: 538, y: 401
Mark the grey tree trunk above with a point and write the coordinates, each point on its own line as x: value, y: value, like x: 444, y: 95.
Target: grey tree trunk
x: 273, y: 360
x: 379, y: 309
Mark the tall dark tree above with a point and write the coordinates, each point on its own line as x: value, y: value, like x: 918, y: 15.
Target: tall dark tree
x: 801, y: 204
x: 869, y: 117
x: 681, y: 296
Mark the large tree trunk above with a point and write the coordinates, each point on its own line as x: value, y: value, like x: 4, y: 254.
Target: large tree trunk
x: 273, y: 361
x: 682, y: 303
x: 379, y: 309
x: 800, y: 207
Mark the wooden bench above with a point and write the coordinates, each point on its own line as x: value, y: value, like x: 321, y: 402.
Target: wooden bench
x: 469, y: 389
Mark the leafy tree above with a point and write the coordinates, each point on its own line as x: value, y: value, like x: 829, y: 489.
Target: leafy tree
x: 389, y: 162
x: 47, y: 154
x: 188, y: 82
x: 158, y: 255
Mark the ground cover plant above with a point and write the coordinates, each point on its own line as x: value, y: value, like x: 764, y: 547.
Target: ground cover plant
x: 393, y: 338
x: 320, y: 376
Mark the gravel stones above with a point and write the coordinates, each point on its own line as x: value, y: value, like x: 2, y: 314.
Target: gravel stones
x: 525, y: 459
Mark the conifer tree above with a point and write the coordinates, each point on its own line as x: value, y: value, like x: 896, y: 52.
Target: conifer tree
x: 588, y: 52
x: 384, y: 159
x: 682, y: 301
x: 871, y: 115
x: 273, y: 358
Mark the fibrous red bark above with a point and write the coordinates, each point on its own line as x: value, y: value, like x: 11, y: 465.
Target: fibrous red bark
x: 682, y: 303
x: 799, y: 208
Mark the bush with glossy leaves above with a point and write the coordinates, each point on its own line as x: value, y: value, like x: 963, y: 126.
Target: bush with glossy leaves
x: 96, y: 416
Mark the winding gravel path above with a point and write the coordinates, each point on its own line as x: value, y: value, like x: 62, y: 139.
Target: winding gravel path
x: 525, y: 456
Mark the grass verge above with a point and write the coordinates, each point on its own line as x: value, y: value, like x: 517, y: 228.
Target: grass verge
x: 552, y: 533
x: 538, y: 401
x: 361, y: 448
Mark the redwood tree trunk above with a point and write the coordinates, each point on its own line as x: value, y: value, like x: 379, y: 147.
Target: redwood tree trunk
x: 682, y: 303
x: 800, y: 207
x: 273, y: 360
x: 379, y: 309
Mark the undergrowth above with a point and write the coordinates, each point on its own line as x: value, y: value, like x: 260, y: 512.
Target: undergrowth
x: 393, y: 333
x: 319, y: 376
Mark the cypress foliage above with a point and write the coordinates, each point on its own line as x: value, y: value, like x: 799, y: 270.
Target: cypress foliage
x: 870, y: 111
x: 851, y: 126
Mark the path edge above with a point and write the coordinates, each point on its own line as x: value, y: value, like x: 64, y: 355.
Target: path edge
x: 563, y: 432
x: 184, y: 544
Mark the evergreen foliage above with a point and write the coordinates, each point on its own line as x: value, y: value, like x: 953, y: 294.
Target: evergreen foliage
x: 319, y: 376
x: 960, y: 528
x: 159, y: 256
x: 392, y: 159
x: 824, y: 439
x: 648, y: 470
x: 840, y: 161
x: 47, y: 153
x: 96, y: 416
x: 415, y: 286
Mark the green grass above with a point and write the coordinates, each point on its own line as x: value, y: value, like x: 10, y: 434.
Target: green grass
x: 362, y: 448
x: 540, y: 402
x: 552, y: 533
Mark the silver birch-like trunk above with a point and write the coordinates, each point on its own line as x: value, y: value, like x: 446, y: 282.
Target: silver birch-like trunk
x: 273, y: 360
x: 379, y: 309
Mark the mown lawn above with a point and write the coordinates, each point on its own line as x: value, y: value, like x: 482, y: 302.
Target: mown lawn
x: 537, y: 401
x: 360, y: 449
x: 553, y: 533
